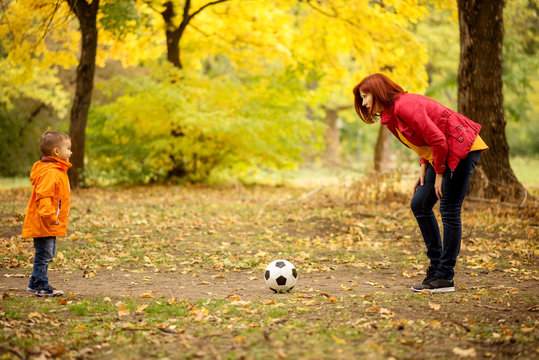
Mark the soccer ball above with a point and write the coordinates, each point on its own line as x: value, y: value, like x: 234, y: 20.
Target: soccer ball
x: 281, y: 276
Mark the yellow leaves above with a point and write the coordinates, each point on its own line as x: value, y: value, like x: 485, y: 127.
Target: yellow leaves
x: 236, y: 300
x: 141, y: 308
x: 34, y: 315
x: 374, y: 283
x: 15, y: 275
x: 406, y: 274
x: 147, y: 295
x: 338, y: 340
x: 383, y: 312
x: 200, y: 314
x: 464, y: 353
x: 526, y: 329
x: 122, y: 310
x: 89, y: 273
x: 434, y: 306
x: 238, y: 339
x: 28, y: 70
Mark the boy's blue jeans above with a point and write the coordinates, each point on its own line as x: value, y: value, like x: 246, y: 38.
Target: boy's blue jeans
x: 45, y: 251
x: 454, y: 188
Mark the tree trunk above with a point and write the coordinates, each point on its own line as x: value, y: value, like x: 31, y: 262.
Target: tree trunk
x: 173, y: 34
x: 332, y: 137
x: 87, y: 15
x: 381, y: 152
x: 480, y: 95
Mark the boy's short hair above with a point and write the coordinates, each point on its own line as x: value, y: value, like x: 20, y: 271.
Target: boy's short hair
x: 51, y: 139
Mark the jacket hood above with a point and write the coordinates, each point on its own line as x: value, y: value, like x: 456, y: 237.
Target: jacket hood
x: 46, y: 163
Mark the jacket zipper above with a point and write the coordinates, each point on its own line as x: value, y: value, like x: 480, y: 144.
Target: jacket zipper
x: 58, y: 211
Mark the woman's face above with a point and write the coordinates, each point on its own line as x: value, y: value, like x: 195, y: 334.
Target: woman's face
x: 368, y: 102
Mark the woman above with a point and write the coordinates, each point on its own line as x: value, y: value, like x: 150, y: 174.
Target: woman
x: 449, y: 148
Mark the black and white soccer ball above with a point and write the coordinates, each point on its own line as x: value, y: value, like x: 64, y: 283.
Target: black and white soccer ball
x: 281, y: 276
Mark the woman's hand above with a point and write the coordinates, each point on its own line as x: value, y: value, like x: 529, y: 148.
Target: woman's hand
x: 421, y: 177
x: 438, y: 185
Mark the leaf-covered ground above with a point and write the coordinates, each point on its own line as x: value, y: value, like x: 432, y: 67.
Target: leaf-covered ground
x: 176, y: 272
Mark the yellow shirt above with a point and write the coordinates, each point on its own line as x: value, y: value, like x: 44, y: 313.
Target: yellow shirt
x: 426, y: 152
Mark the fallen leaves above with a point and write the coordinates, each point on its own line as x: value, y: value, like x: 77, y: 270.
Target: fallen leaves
x: 333, y: 313
x: 15, y: 275
x: 141, y: 308
x: 464, y: 353
x: 123, y: 310
x: 338, y: 340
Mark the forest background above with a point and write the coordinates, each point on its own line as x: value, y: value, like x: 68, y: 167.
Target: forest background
x: 253, y: 86
x: 227, y: 94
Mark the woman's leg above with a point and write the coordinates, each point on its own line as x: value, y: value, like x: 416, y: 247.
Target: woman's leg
x: 422, y: 203
x: 454, y: 190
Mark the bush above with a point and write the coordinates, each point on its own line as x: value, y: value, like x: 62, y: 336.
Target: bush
x: 170, y: 125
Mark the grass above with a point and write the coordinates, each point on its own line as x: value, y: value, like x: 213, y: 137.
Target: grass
x: 526, y: 169
x: 353, y: 244
x: 13, y: 182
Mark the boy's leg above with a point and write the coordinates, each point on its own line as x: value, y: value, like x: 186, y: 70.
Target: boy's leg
x: 45, y: 250
x: 454, y: 190
x: 422, y: 203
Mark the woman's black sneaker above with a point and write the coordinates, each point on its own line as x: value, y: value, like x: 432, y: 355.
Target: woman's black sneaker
x: 437, y: 286
x: 431, y: 275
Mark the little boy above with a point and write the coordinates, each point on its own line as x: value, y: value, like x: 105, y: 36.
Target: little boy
x: 48, y: 210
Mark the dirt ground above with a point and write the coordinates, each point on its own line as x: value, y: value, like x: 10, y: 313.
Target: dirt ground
x: 246, y: 283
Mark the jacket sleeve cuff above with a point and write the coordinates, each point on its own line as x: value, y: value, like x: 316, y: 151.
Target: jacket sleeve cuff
x: 422, y: 161
x: 440, y: 169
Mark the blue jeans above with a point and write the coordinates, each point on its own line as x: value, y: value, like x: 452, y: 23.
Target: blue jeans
x: 454, y: 188
x: 45, y: 251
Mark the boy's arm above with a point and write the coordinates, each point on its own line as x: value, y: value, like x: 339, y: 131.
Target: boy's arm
x: 45, y: 191
x: 47, y: 211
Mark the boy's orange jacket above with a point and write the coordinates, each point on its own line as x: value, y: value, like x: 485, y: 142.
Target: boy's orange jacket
x: 50, y: 199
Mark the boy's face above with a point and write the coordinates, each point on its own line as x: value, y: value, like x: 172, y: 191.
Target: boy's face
x: 64, y: 150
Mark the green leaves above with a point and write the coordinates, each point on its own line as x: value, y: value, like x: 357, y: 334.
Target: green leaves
x: 119, y: 17
x: 198, y: 128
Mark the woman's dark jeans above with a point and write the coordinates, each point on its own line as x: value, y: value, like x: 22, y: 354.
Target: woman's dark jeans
x: 45, y: 251
x: 454, y: 188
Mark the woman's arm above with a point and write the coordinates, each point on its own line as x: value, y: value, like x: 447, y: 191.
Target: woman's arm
x: 415, y: 116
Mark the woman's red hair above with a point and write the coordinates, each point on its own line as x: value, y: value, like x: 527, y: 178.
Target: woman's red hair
x: 384, y: 92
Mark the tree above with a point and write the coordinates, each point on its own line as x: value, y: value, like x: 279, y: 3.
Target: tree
x: 332, y: 137
x: 87, y: 15
x: 174, y: 30
x: 480, y: 95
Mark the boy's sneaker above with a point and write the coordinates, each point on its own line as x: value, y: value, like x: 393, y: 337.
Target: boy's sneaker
x: 49, y: 291
x: 431, y: 275
x: 438, y: 286
x: 29, y: 288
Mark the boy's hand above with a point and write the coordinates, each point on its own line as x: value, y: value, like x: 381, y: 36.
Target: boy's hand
x: 56, y: 223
